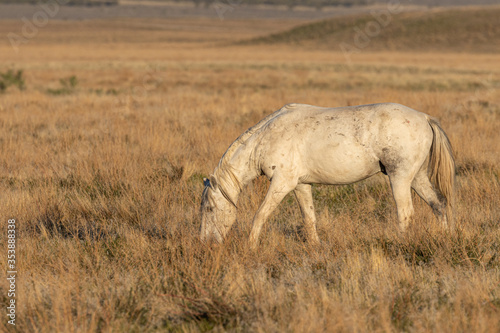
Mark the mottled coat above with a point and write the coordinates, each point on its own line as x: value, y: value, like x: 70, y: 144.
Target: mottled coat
x: 300, y: 145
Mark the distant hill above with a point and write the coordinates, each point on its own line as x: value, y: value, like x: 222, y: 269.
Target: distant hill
x: 319, y: 4
x: 471, y: 29
x: 66, y: 2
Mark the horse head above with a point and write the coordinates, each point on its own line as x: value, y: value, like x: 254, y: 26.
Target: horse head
x: 218, y: 213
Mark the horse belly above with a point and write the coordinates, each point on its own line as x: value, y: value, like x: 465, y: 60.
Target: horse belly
x: 339, y: 163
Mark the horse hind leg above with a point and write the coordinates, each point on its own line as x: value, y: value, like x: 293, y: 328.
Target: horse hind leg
x: 424, y: 188
x: 401, y: 189
x: 304, y: 198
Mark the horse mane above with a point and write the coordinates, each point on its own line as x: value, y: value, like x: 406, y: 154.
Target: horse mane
x: 225, y: 172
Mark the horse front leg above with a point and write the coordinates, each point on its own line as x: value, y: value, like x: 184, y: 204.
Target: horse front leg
x: 278, y: 189
x: 303, y: 193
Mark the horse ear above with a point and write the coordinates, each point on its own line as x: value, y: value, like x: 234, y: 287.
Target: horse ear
x: 213, y: 182
x: 206, y: 182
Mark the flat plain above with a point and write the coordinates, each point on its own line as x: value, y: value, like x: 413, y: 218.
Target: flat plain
x: 112, y: 124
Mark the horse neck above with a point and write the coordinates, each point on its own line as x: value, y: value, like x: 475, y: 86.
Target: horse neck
x: 237, y: 171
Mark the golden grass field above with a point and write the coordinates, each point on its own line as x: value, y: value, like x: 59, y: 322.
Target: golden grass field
x: 103, y: 174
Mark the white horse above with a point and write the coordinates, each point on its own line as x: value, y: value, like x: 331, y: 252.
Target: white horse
x: 300, y: 145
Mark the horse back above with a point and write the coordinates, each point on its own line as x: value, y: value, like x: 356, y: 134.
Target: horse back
x: 342, y: 145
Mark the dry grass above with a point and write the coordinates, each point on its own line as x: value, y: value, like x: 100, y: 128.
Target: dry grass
x: 104, y: 180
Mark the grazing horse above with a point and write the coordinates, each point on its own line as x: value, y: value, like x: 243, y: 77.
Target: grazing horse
x: 300, y: 145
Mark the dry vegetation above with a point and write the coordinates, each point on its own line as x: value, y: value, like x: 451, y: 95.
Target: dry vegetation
x: 103, y: 154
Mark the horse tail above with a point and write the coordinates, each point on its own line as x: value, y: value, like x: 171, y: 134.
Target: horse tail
x: 442, y: 164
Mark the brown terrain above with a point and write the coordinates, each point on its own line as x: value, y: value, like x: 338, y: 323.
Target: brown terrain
x: 109, y: 124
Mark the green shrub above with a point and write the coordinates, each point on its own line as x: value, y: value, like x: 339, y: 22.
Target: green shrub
x: 11, y: 78
x: 68, y: 86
